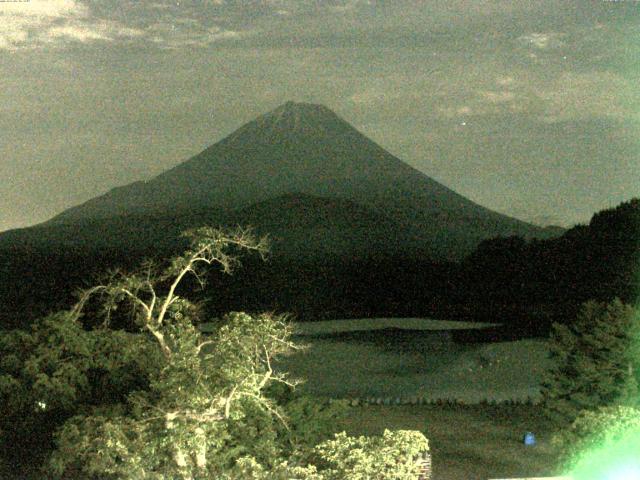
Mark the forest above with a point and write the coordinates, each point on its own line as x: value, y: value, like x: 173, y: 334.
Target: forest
x: 526, y: 285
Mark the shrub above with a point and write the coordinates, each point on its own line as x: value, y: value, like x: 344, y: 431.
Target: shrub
x: 393, y: 456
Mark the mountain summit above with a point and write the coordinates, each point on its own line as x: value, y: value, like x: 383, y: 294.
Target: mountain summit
x: 293, y: 120
x: 307, y: 150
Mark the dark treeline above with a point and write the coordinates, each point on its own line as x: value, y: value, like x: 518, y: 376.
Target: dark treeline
x: 526, y: 285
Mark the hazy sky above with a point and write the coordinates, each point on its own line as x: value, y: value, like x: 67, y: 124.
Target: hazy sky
x: 530, y: 108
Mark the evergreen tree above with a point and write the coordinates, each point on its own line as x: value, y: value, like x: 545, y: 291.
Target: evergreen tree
x: 595, y: 361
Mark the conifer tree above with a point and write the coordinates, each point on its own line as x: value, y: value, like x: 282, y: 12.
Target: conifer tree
x: 595, y: 361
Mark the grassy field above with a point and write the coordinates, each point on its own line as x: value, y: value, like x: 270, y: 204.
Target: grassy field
x: 369, y: 324
x: 418, y: 357
x: 412, y: 357
x: 470, y: 442
x: 407, y: 362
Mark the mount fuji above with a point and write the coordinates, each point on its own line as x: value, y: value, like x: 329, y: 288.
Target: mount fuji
x: 306, y: 176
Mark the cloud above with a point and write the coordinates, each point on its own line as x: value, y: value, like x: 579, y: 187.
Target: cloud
x: 505, y: 81
x: 348, y: 5
x: 174, y: 35
x: 76, y: 33
x: 573, y: 95
x: 12, y: 37
x: 37, y: 23
x: 57, y: 23
x: 22, y: 20
x: 41, y: 9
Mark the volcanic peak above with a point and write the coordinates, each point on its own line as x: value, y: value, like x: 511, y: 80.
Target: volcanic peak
x: 294, y: 119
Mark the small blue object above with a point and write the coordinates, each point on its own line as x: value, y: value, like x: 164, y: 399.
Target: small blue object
x: 529, y: 439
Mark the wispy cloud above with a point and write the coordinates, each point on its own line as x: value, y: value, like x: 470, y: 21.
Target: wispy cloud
x: 44, y: 23
x: 505, y: 81
x: 22, y: 20
x: 347, y: 5
x: 171, y: 36
x: 41, y: 9
x: 57, y: 23
x: 574, y: 95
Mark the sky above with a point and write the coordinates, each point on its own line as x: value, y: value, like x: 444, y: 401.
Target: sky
x: 528, y: 107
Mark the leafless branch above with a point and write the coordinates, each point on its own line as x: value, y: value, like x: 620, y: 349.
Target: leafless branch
x: 202, y: 344
x: 227, y: 403
x: 265, y: 403
x: 84, y: 298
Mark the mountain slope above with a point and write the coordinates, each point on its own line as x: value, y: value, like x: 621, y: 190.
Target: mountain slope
x: 307, y: 149
x: 321, y: 228
x: 300, y: 226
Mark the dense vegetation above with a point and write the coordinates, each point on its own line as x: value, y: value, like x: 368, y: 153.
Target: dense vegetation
x: 528, y: 284
x: 601, y: 443
x: 84, y: 393
x: 166, y: 402
x: 592, y: 394
x: 597, y: 361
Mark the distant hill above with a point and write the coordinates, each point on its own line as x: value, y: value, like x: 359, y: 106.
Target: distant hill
x: 509, y: 277
x: 303, y: 149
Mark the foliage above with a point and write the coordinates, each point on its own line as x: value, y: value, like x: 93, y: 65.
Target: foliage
x: 326, y: 415
x: 392, y: 456
x: 592, y: 429
x: 601, y: 443
x: 56, y: 369
x: 201, y: 412
x: 596, y: 361
x: 169, y: 402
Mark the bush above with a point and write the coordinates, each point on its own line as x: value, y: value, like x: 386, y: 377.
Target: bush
x: 305, y: 433
x: 393, y: 456
x: 591, y: 429
x: 57, y: 369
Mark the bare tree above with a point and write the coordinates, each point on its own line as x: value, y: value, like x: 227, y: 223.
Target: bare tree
x: 142, y: 291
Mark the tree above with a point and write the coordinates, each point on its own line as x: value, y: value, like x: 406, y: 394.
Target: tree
x: 596, y: 361
x: 196, y: 407
x: 601, y: 444
x: 201, y: 412
x: 57, y: 369
x: 595, y: 429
